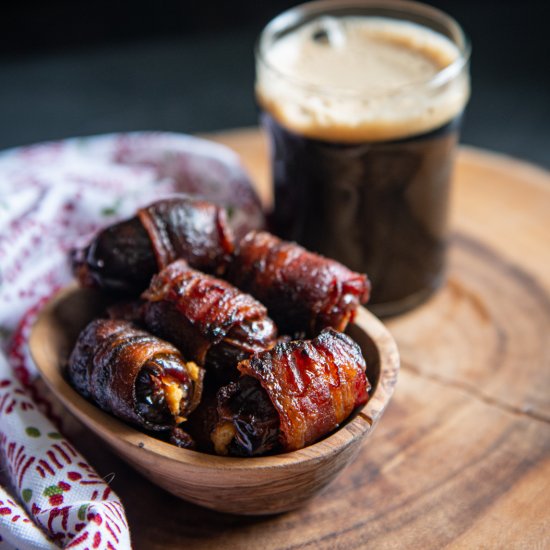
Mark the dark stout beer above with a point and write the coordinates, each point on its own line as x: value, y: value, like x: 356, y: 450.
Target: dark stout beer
x: 363, y: 123
x: 379, y: 208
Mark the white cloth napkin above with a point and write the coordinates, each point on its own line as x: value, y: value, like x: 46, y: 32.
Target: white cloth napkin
x: 53, y: 197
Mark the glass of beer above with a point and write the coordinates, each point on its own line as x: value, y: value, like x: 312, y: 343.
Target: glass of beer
x: 362, y: 101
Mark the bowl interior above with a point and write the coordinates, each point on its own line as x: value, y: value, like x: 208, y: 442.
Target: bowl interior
x: 51, y: 342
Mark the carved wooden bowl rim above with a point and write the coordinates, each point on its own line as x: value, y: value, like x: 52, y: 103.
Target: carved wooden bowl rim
x: 48, y: 356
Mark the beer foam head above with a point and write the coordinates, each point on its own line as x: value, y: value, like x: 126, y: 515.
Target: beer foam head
x: 357, y: 78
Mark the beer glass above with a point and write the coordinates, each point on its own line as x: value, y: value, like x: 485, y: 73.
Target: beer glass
x: 362, y: 102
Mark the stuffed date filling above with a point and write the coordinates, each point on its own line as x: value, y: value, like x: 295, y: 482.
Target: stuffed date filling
x: 134, y: 375
x: 165, y: 394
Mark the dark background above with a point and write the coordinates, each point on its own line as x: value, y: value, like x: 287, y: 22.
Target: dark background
x: 72, y: 68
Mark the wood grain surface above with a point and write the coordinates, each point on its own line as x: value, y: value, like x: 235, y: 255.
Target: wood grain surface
x: 461, y: 458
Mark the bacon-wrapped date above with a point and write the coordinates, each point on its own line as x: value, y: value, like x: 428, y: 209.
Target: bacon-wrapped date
x: 134, y: 375
x: 124, y: 257
x: 209, y: 320
x: 312, y: 387
x: 303, y: 291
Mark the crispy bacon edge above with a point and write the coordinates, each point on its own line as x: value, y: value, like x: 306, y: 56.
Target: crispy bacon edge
x: 195, y: 230
x: 303, y: 291
x: 197, y: 311
x: 314, y: 385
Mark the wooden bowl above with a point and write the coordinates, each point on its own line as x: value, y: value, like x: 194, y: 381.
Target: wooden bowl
x: 264, y: 485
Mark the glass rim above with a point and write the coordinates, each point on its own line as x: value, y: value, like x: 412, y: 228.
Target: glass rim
x: 293, y: 15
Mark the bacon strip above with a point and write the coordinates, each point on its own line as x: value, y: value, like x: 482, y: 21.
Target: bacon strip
x: 314, y: 385
x: 209, y: 320
x: 191, y: 229
x: 303, y: 291
x: 123, y: 257
x: 134, y: 375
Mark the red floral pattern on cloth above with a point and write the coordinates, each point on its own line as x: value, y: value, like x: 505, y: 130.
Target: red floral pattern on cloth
x: 57, y: 488
x: 53, y: 197
x: 17, y: 530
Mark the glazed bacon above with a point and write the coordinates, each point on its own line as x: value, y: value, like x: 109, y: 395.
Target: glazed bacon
x: 123, y: 257
x: 312, y: 386
x: 194, y: 230
x: 209, y: 320
x: 303, y: 291
x: 134, y: 375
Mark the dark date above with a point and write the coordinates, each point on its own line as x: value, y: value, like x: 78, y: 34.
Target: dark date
x: 247, y: 423
x: 123, y: 257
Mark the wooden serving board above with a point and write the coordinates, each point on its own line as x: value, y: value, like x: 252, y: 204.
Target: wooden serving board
x: 462, y: 455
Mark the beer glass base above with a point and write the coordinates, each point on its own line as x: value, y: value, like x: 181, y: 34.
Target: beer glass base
x: 391, y: 309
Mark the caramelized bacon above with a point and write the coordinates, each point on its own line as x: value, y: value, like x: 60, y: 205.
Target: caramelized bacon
x: 313, y: 385
x: 123, y: 257
x: 208, y: 319
x: 289, y: 396
x: 191, y: 229
x: 303, y: 292
x: 134, y: 375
